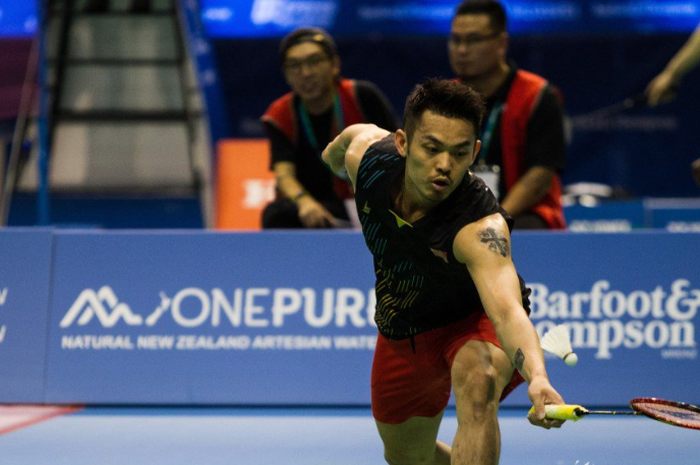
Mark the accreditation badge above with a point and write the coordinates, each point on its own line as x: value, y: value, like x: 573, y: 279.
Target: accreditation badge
x: 490, y: 174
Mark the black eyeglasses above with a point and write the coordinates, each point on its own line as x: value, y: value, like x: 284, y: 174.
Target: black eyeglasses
x: 312, y: 63
x: 470, y: 39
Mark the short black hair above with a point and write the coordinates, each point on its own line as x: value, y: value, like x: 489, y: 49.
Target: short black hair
x: 448, y: 98
x: 314, y: 35
x: 492, y: 8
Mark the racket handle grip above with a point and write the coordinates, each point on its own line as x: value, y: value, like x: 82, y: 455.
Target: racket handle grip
x: 562, y: 412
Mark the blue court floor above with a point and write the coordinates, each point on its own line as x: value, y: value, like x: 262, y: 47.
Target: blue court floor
x: 213, y: 436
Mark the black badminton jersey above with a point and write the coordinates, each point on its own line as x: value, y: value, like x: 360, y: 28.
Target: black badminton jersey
x: 420, y: 285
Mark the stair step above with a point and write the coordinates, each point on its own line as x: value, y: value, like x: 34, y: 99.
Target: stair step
x: 101, y: 116
x: 115, y: 13
x: 125, y: 62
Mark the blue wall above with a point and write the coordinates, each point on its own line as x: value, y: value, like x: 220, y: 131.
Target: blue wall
x: 286, y: 318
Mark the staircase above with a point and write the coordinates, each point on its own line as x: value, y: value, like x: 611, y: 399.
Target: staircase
x: 125, y: 116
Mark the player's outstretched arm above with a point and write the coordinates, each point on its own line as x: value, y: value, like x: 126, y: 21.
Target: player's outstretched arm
x: 485, y: 248
x: 345, y: 152
x: 662, y: 88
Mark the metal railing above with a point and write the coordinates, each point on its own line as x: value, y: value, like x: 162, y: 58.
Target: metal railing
x: 23, y: 117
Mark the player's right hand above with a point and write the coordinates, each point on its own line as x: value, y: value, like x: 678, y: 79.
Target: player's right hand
x: 542, y: 393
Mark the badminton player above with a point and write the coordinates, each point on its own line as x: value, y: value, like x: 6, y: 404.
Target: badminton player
x: 451, y: 309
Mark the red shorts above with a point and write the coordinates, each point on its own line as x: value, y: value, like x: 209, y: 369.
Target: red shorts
x: 407, y: 384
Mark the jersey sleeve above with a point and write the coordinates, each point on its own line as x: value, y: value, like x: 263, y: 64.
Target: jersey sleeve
x: 379, y: 158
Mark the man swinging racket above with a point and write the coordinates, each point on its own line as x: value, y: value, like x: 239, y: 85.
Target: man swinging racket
x: 451, y: 310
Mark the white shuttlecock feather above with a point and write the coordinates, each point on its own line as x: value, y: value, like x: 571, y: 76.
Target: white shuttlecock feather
x: 557, y: 342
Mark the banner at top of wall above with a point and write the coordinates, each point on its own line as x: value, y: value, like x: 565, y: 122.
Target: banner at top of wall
x: 18, y: 19
x: 274, y: 18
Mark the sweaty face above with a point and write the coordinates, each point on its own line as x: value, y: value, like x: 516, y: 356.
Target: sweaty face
x: 310, y: 72
x: 438, y: 157
x: 474, y: 47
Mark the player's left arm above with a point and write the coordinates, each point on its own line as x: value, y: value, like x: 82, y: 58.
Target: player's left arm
x: 485, y: 248
x: 344, y: 153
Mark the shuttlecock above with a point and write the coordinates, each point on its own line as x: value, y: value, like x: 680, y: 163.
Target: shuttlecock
x: 557, y: 342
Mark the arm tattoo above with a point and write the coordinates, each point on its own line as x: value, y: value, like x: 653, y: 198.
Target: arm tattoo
x: 496, y: 242
x: 519, y: 360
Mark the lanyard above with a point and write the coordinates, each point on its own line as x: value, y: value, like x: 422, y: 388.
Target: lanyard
x: 309, y: 130
x: 487, y: 133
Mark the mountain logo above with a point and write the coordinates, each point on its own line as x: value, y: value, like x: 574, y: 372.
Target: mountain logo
x: 104, y: 305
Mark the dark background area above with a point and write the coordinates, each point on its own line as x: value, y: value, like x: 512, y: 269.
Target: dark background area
x: 645, y: 151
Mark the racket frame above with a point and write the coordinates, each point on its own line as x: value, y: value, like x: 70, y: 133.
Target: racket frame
x: 576, y: 412
x: 671, y: 403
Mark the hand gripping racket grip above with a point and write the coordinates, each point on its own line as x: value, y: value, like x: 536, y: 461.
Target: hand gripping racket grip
x: 562, y: 412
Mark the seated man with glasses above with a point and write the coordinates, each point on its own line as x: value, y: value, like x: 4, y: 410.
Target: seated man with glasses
x: 301, y: 123
x: 523, y: 144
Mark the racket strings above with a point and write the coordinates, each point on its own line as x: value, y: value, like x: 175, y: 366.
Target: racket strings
x: 671, y: 413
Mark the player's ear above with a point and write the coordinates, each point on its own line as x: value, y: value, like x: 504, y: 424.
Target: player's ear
x: 401, y: 142
x: 477, y: 147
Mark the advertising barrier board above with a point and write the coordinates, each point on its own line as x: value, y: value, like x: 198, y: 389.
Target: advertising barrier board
x: 631, y: 303
x: 25, y: 267
x: 278, y: 318
x: 286, y: 318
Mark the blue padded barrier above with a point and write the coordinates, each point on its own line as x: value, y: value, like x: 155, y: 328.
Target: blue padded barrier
x: 285, y: 318
x: 25, y: 268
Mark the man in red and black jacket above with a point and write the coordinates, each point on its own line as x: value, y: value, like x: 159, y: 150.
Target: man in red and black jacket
x: 301, y: 123
x: 523, y: 142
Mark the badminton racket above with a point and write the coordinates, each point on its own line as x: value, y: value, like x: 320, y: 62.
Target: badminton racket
x: 667, y: 411
x: 629, y: 103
